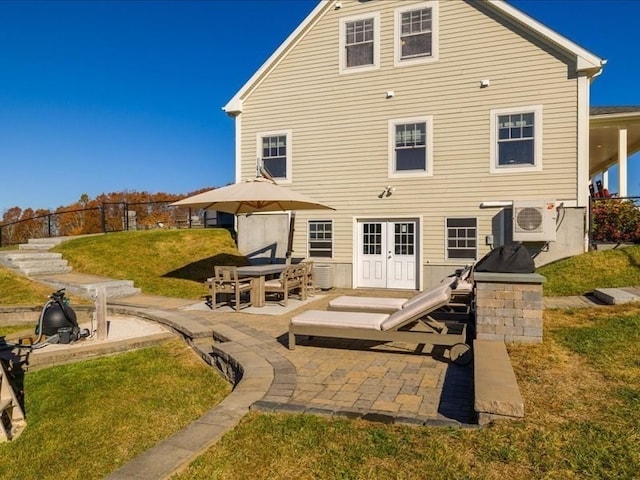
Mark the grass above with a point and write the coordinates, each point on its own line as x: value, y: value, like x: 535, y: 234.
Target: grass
x: 597, y: 269
x: 18, y: 290
x: 582, y: 396
x: 172, y: 263
x: 85, y: 420
x: 10, y: 329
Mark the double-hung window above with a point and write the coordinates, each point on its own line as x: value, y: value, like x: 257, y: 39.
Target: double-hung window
x: 274, y: 152
x: 410, y: 147
x: 359, y: 43
x: 462, y: 241
x: 320, y: 238
x: 516, y: 140
x: 416, y: 33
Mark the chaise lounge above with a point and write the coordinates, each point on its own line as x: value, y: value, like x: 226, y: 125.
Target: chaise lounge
x: 461, y: 289
x: 411, y: 323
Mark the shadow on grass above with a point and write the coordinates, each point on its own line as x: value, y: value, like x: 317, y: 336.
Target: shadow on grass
x: 632, y: 259
x: 202, y: 269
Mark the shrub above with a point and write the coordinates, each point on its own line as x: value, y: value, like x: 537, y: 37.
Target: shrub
x: 616, y: 220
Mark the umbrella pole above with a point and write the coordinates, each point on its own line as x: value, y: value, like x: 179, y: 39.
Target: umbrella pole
x: 292, y: 223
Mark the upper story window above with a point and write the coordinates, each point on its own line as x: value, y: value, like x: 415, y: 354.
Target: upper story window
x: 359, y: 43
x: 516, y: 140
x: 274, y: 151
x: 416, y: 33
x: 410, y: 147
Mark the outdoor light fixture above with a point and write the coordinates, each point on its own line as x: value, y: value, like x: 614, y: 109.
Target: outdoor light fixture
x: 388, y: 190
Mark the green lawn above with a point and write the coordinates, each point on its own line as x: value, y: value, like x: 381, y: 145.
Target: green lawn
x: 597, y: 269
x: 18, y: 290
x: 171, y: 263
x: 86, y: 419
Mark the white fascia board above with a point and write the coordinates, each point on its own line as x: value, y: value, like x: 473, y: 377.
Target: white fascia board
x: 585, y: 60
x: 614, y: 119
x: 234, y: 106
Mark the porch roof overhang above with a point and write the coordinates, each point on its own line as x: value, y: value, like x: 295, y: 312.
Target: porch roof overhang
x: 604, y: 125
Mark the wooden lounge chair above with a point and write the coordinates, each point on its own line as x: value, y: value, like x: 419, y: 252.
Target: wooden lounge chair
x: 410, y: 324
x: 348, y: 303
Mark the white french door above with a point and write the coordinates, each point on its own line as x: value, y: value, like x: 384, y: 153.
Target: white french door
x: 387, y: 254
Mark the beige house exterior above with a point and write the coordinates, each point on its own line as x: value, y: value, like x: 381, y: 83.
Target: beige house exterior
x: 425, y: 124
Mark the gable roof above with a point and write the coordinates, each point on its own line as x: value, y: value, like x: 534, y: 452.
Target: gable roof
x: 585, y: 61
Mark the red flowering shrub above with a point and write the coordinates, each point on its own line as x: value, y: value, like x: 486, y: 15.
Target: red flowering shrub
x: 615, y: 220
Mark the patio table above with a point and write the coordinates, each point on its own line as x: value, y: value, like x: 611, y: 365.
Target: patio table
x: 259, y: 272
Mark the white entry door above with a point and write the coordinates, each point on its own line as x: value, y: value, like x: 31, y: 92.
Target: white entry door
x: 387, y: 254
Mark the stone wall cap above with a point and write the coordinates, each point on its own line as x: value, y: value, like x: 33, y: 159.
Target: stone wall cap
x: 508, y: 277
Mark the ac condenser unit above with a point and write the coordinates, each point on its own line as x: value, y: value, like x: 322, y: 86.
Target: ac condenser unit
x: 534, y: 221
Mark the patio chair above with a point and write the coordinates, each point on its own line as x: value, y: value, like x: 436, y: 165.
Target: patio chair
x: 290, y: 280
x: 227, y: 282
x: 411, y: 324
x: 309, y: 279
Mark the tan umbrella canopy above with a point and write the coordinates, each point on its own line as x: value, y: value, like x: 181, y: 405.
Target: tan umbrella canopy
x: 254, y: 196
x: 251, y: 196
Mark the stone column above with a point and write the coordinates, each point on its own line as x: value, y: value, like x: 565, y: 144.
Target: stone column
x: 509, y: 307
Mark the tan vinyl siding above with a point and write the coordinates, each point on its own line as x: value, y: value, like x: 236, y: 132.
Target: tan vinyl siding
x: 339, y: 123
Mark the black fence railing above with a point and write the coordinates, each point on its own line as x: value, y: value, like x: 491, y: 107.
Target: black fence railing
x: 614, y: 220
x: 110, y: 217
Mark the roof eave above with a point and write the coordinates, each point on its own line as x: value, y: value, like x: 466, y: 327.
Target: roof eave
x: 586, y: 61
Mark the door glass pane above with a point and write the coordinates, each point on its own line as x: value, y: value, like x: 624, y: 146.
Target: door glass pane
x: 404, y: 238
x: 372, y: 238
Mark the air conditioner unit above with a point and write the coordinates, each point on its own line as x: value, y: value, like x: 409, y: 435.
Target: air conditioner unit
x: 534, y: 221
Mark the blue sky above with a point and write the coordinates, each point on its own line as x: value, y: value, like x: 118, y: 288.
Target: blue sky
x: 123, y: 95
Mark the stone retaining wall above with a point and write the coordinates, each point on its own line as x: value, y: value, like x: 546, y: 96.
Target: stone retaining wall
x: 509, y: 307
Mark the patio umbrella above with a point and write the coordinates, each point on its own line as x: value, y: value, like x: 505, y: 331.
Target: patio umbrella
x: 254, y: 196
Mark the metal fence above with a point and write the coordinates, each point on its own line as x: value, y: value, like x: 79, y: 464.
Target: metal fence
x: 110, y: 217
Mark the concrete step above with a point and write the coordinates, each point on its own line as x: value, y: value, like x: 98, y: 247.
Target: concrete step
x: 45, y: 270
x: 34, y: 263
x: 16, y: 256
x: 43, y: 262
x: 35, y: 246
x: 113, y: 288
x: 616, y: 296
x: 49, y: 242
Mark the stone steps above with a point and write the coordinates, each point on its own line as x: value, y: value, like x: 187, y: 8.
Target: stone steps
x: 617, y: 296
x: 31, y: 262
x: 42, y: 243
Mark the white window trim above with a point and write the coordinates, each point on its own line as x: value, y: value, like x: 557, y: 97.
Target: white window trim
x: 376, y: 44
x: 537, y: 146
x: 428, y: 172
x: 435, y: 34
x: 446, y: 240
x: 289, y: 135
x: 309, y: 239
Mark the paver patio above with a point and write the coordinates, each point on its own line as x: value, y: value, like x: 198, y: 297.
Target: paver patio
x: 363, y: 377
